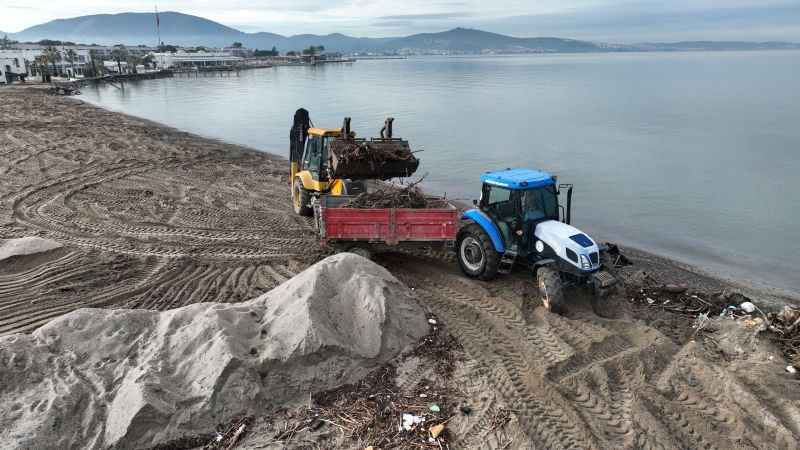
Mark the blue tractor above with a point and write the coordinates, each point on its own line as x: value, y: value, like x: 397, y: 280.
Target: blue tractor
x: 519, y: 219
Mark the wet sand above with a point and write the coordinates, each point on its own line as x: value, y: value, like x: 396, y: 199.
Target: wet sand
x: 151, y: 217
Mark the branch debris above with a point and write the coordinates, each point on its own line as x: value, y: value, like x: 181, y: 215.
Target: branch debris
x: 393, y: 197
x: 376, y: 159
x: 784, y: 325
x: 375, y: 412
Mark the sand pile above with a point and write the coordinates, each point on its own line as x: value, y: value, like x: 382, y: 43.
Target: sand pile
x: 25, y: 246
x: 132, y: 378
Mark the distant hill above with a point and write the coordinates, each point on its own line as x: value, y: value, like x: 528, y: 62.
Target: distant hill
x: 463, y: 39
x: 184, y: 29
x: 132, y: 28
x: 187, y: 30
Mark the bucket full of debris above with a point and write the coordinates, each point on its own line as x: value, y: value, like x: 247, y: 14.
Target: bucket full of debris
x: 376, y: 159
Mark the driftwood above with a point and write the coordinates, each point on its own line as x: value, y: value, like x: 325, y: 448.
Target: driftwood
x: 786, y: 326
x: 390, y: 197
x: 380, y: 159
x: 371, y: 411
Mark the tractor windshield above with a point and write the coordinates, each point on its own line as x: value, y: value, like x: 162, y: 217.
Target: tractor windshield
x: 540, y: 204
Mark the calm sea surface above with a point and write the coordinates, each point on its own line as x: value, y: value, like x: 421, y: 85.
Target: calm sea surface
x: 692, y: 155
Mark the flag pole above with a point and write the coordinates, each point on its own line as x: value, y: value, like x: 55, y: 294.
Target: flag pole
x: 158, y: 28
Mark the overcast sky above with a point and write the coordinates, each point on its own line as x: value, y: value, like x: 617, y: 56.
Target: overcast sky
x: 623, y: 21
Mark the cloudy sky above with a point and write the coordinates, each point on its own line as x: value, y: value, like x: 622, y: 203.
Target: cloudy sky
x: 623, y: 21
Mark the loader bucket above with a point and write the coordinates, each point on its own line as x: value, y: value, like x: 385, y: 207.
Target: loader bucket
x: 379, y: 158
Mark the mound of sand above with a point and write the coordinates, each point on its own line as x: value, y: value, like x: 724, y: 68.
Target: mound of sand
x: 132, y: 378
x: 25, y: 246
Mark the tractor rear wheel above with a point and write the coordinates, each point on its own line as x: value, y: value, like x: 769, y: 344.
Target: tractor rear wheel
x: 476, y: 254
x: 550, y: 289
x: 301, y: 199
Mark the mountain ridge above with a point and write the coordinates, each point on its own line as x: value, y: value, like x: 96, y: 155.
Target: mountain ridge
x: 131, y: 28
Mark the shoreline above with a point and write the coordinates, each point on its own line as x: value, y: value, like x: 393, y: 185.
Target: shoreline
x: 712, y: 256
x: 155, y: 221
x: 776, y: 296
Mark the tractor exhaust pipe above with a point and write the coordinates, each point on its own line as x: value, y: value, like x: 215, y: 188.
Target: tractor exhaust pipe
x: 566, y: 209
x: 569, y: 205
x: 386, y: 131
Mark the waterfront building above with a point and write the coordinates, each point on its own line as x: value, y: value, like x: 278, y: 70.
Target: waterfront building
x: 241, y: 52
x: 26, y: 61
x: 198, y: 60
x: 11, y: 69
x: 114, y: 67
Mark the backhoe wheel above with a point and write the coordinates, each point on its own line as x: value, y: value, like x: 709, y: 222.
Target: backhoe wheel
x: 301, y: 199
x: 550, y: 289
x: 476, y: 254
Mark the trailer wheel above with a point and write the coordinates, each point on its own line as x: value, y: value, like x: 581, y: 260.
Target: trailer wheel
x: 301, y: 199
x: 550, y: 289
x: 476, y: 254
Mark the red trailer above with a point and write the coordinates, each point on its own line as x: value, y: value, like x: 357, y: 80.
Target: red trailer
x: 362, y: 229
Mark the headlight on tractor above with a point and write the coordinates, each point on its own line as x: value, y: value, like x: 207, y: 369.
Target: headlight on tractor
x: 585, y: 264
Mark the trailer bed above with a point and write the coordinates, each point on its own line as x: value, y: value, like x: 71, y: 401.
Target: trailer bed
x: 390, y: 226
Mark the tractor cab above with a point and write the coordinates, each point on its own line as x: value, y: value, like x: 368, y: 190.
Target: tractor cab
x: 519, y: 219
x: 517, y: 201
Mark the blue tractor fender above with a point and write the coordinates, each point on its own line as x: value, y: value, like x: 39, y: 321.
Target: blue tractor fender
x: 488, y: 226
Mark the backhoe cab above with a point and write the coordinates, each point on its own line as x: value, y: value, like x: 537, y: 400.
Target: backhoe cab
x: 309, y: 163
x: 518, y: 219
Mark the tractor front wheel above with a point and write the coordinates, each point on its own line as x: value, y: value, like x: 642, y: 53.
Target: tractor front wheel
x: 550, y: 289
x: 301, y: 199
x: 476, y: 254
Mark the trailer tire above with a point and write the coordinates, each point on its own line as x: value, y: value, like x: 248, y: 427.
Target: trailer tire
x: 301, y: 199
x: 550, y: 289
x: 476, y: 254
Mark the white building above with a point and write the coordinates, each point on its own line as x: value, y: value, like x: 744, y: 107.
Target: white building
x: 241, y: 52
x: 113, y: 66
x: 199, y: 59
x: 70, y: 62
x: 11, y: 69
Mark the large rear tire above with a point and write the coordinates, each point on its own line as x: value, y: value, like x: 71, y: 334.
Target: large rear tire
x: 476, y: 254
x: 550, y: 289
x: 301, y: 199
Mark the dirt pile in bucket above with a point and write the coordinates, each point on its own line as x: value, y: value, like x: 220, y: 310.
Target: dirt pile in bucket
x: 99, y: 378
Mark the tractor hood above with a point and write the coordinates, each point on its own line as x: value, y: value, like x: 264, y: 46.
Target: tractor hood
x: 561, y: 236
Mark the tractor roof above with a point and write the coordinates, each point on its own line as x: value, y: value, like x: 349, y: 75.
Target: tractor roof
x: 518, y: 178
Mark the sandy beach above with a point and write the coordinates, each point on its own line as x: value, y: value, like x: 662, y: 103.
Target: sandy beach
x: 154, y: 218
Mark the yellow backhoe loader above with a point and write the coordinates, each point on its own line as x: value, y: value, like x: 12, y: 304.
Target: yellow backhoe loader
x: 335, y: 162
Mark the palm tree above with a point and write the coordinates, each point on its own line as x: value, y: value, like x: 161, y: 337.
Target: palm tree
x: 41, y: 62
x: 72, y: 55
x: 52, y: 55
x: 119, y: 54
x: 133, y: 61
x: 92, y: 56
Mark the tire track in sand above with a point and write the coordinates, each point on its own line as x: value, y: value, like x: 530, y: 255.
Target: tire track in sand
x: 575, y: 382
